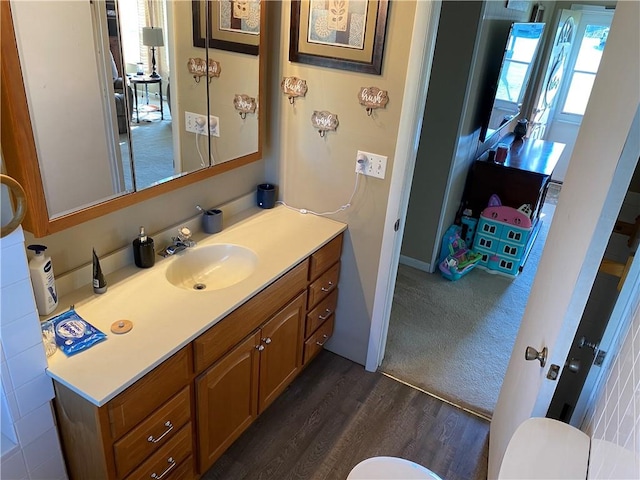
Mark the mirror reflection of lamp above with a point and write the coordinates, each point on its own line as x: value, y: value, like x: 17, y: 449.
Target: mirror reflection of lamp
x: 152, y: 37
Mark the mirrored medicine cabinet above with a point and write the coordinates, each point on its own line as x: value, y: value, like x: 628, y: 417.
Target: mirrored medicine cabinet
x: 99, y: 100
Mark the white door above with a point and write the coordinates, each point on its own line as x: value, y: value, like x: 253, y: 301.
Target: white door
x: 581, y: 69
x: 607, y: 149
x: 556, y: 67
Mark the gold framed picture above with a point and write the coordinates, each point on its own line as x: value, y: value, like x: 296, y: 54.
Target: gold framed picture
x: 227, y: 25
x: 342, y: 34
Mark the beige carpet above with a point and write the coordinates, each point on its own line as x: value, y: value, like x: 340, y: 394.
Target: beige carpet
x: 454, y: 339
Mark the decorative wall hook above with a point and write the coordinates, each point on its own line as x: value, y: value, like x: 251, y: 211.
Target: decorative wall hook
x: 372, y: 98
x: 293, y: 87
x: 244, y: 104
x: 198, y: 68
x: 324, y: 121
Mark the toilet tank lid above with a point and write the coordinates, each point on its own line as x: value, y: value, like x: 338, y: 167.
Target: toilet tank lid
x: 543, y: 448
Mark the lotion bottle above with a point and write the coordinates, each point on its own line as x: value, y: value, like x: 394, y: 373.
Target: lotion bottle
x: 42, y: 280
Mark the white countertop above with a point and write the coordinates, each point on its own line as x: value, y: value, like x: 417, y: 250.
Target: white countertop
x: 165, y: 317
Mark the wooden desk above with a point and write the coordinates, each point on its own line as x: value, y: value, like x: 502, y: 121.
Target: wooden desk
x: 522, y: 179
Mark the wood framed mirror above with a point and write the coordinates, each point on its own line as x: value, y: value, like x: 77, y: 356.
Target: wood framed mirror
x: 22, y: 148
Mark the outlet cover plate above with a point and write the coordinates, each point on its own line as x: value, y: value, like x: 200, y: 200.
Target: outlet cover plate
x: 371, y: 164
x: 214, y: 126
x: 191, y: 125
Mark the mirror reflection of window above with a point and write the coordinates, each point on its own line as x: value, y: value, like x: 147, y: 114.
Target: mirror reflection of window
x: 518, y: 59
x: 586, y: 67
x: 519, y: 56
x: 150, y: 120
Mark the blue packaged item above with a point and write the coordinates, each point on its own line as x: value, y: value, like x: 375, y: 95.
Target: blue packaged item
x: 73, y: 333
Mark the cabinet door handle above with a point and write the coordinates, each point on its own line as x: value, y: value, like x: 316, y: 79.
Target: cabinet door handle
x: 326, y: 315
x: 327, y: 289
x: 259, y: 347
x: 267, y: 340
x: 324, y: 338
x: 156, y: 440
x: 172, y: 464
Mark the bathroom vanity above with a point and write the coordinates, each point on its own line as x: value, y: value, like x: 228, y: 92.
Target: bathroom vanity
x: 168, y: 398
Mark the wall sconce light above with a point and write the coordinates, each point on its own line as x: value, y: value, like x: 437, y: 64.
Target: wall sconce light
x: 152, y: 37
x: 293, y: 87
x: 324, y: 121
x: 244, y: 104
x: 372, y: 98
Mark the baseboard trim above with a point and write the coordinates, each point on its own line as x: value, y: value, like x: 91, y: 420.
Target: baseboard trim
x: 419, y: 264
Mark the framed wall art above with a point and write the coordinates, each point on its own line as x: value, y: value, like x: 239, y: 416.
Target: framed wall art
x: 343, y: 34
x: 232, y: 25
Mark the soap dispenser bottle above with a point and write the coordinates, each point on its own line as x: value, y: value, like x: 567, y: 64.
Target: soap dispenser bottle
x: 143, y: 251
x: 43, y: 281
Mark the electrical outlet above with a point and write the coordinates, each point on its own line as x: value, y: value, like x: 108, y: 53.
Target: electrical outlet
x: 371, y: 164
x: 214, y: 126
x: 195, y: 123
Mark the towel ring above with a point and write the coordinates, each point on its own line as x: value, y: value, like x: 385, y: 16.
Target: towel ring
x: 21, y: 205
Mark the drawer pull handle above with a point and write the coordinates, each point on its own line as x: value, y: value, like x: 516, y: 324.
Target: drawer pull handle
x: 156, y: 440
x: 324, y: 338
x: 326, y: 315
x: 329, y: 288
x: 173, y: 464
x: 267, y: 340
x: 259, y: 347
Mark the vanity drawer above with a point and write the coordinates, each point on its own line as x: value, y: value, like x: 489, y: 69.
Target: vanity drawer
x: 316, y: 341
x: 322, y: 312
x: 166, y: 461
x: 154, y: 432
x: 184, y: 471
x: 324, y: 285
x: 325, y: 257
x: 148, y: 393
x: 227, y: 333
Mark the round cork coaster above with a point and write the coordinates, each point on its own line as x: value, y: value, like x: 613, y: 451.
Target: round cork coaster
x: 121, y: 326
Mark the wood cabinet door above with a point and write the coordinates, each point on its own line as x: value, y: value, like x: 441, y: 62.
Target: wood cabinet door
x: 227, y: 400
x: 282, y: 337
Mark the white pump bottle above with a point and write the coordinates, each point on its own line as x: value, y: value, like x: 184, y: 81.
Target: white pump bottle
x: 43, y: 281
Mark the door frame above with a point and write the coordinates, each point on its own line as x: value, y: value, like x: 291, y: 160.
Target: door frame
x: 423, y: 41
x: 625, y: 306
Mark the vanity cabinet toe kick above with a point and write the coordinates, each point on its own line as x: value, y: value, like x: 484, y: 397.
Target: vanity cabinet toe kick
x: 178, y: 419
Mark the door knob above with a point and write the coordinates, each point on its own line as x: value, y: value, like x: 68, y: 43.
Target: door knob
x: 573, y: 365
x: 532, y: 354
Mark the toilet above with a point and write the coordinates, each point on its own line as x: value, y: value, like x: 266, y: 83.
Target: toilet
x: 388, y: 468
x: 541, y: 448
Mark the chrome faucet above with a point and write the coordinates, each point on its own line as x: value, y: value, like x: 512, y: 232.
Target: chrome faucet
x: 181, y: 242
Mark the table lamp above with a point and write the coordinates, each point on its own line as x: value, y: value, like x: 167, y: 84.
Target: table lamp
x: 152, y: 37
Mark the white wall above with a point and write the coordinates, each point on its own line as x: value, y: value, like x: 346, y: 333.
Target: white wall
x: 30, y: 445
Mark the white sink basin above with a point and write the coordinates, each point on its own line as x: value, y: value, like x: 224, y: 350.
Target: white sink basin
x: 211, y: 267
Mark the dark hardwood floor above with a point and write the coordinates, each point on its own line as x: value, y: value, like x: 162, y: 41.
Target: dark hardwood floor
x: 336, y: 414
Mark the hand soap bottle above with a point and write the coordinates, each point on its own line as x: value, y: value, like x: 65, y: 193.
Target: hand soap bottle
x: 143, y: 251
x: 43, y: 281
